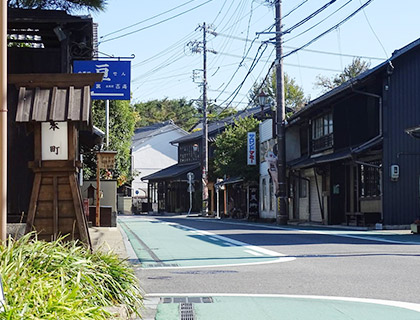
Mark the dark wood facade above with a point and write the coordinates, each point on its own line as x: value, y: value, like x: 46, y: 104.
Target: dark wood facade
x: 402, y: 110
x: 47, y: 41
x: 351, y: 137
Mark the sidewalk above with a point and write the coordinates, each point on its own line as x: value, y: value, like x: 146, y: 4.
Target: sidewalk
x: 114, y: 239
x: 107, y: 239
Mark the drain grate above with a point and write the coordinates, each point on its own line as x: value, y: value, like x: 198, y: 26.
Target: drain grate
x: 186, y: 311
x: 186, y: 300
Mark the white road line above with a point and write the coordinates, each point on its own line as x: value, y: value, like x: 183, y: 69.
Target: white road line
x: 326, y: 232
x: 278, y: 260
x: 254, y: 253
x: 229, y: 244
x: 391, y: 303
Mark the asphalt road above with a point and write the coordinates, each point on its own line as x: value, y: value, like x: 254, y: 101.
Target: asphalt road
x: 179, y: 257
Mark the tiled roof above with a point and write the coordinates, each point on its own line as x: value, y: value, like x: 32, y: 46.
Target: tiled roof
x: 172, y: 172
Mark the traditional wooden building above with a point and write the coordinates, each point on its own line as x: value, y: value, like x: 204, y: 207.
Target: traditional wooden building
x: 168, y: 188
x: 350, y: 159
x: 45, y: 42
x: 39, y: 41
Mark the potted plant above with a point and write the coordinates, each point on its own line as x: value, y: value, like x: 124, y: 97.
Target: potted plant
x: 415, y: 226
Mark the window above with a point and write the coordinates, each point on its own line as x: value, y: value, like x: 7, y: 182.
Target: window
x: 370, y: 179
x: 322, y: 132
x: 189, y: 153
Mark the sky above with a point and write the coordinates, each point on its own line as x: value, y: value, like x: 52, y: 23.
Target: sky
x: 161, y: 35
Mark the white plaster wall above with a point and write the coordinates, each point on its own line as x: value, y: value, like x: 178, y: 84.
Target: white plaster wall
x: 109, y: 190
x: 267, y: 213
x: 266, y: 133
x: 315, y: 207
x: 304, y: 208
x: 152, y: 156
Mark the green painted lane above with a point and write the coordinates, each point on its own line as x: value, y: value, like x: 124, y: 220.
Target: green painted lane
x: 160, y: 244
x: 290, y: 308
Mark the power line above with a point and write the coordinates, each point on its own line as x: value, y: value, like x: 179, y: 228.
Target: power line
x: 373, y: 31
x: 148, y: 19
x: 251, y: 68
x: 171, y: 48
x: 295, y: 8
x: 287, y: 64
x: 328, y: 31
x: 315, y: 25
x: 258, y: 77
x: 297, y: 25
x: 249, y: 25
x: 259, y: 88
x: 220, y: 11
x: 307, y: 50
x: 157, y: 23
x: 231, y: 26
x: 239, y: 66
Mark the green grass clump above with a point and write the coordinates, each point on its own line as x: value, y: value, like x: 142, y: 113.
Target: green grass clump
x: 64, y: 280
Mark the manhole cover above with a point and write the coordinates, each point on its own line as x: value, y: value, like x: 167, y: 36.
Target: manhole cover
x: 186, y: 311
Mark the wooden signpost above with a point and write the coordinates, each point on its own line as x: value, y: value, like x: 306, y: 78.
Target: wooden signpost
x: 105, y: 160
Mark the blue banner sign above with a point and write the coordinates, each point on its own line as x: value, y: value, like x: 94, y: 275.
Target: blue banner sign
x: 115, y: 84
x: 252, y: 148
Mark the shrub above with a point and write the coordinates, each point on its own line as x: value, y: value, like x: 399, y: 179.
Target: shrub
x: 64, y: 280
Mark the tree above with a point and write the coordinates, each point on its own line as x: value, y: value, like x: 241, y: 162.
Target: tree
x: 183, y: 113
x: 121, y: 129
x: 356, y: 67
x: 294, y: 97
x: 230, y: 157
x: 67, y: 5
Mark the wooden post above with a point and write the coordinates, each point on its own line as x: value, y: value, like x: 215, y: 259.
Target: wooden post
x: 98, y: 182
x: 3, y: 121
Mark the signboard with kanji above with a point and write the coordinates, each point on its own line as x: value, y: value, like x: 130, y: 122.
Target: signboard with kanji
x: 54, y: 141
x: 106, y: 159
x: 115, y: 84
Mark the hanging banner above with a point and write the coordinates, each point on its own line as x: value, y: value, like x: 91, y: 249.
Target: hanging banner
x: 252, y: 148
x: 115, y: 84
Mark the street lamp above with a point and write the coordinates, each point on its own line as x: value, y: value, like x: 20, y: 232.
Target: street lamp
x: 262, y: 100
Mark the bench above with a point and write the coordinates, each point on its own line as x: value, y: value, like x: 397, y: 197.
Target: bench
x: 358, y: 217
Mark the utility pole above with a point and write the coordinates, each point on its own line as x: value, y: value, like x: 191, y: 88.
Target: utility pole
x: 205, y: 142
x: 281, y: 210
x: 196, y: 47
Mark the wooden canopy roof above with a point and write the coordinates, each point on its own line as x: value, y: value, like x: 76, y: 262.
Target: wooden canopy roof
x: 54, y: 97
